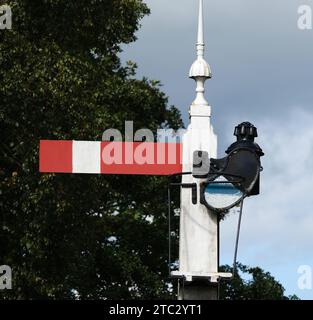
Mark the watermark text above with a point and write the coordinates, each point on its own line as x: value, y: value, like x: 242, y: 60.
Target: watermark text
x: 305, y: 17
x: 5, y: 277
x: 5, y: 17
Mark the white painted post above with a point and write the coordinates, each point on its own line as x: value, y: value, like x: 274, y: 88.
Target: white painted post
x: 198, y: 246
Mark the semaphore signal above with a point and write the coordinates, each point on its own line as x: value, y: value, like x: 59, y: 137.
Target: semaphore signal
x: 209, y: 187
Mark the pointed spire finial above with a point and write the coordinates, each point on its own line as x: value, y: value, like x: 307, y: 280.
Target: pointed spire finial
x: 200, y: 42
x: 200, y: 70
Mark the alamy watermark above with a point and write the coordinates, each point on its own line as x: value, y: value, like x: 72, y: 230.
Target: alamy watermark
x: 139, y: 147
x: 5, y: 277
x: 5, y: 17
x: 305, y: 279
x: 305, y: 21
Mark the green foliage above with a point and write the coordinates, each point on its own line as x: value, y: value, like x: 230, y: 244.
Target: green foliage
x: 252, y: 284
x: 61, y: 78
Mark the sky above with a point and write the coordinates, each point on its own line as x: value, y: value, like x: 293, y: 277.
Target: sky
x: 262, y: 66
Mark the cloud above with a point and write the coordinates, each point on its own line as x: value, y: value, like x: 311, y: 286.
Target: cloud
x: 259, y: 58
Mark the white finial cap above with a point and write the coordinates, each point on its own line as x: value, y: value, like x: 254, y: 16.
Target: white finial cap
x: 200, y: 67
x: 200, y: 70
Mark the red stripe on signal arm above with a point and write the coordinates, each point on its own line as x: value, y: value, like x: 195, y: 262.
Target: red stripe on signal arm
x: 154, y: 158
x: 55, y: 156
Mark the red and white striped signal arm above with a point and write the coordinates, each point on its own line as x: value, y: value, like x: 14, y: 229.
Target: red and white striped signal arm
x: 93, y: 157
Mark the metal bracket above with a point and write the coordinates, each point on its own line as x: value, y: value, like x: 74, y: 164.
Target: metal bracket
x: 193, y: 186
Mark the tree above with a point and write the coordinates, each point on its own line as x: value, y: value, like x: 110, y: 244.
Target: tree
x: 252, y: 284
x: 70, y: 236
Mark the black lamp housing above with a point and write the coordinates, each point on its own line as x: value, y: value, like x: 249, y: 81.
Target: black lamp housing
x: 238, y: 174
